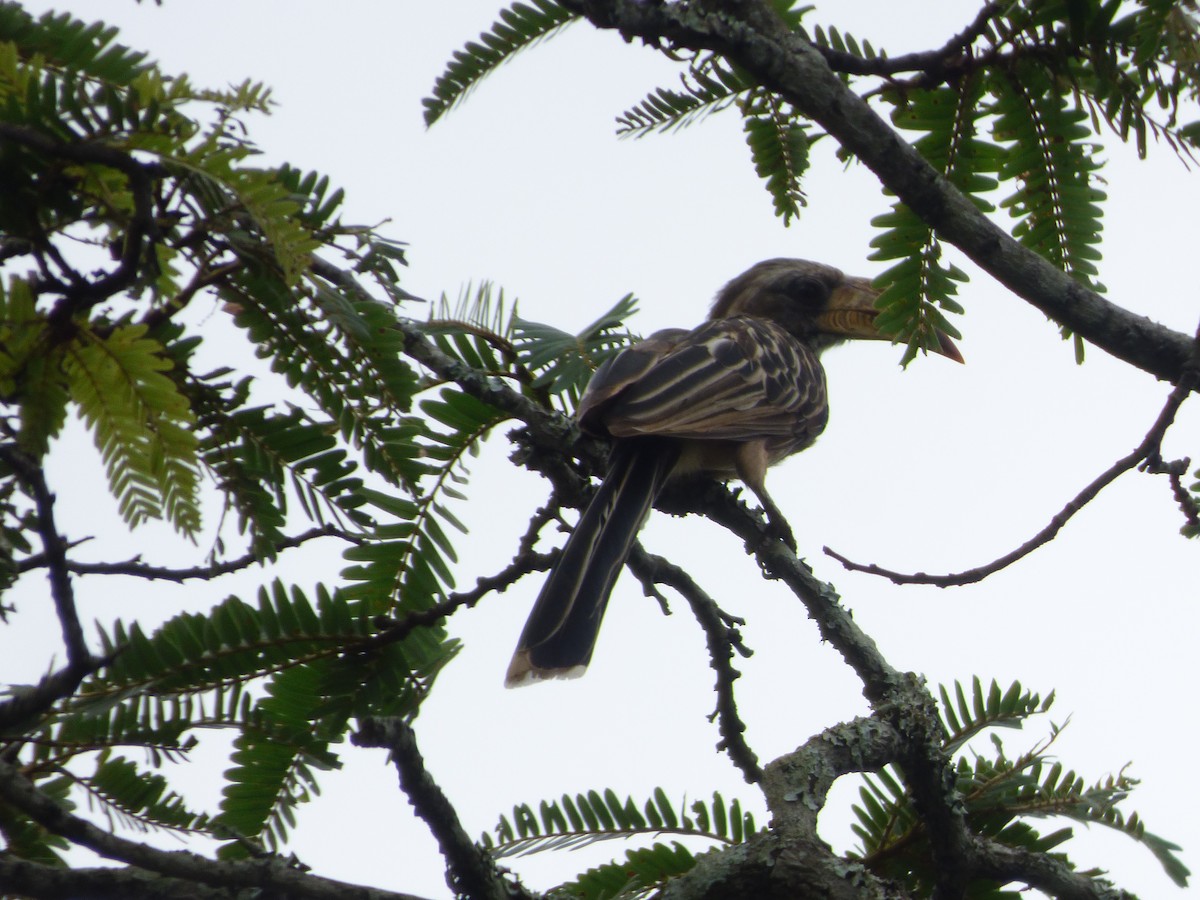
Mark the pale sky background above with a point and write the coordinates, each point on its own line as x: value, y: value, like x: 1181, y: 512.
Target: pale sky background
x: 938, y: 468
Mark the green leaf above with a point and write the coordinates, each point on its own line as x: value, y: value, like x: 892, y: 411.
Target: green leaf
x: 778, y: 144
x: 141, y: 423
x: 520, y: 26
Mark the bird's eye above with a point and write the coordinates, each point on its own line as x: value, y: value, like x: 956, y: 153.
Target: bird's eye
x: 805, y: 289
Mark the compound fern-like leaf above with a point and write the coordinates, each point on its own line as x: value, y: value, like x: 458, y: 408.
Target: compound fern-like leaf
x: 520, y: 26
x: 141, y: 423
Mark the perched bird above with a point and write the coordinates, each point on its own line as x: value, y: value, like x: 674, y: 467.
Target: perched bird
x: 728, y: 398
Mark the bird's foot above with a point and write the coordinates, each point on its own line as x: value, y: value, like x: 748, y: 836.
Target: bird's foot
x: 778, y: 530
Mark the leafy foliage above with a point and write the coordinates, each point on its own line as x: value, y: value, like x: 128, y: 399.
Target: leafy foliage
x: 639, y: 874
x: 778, y: 145
x: 709, y: 86
x: 520, y: 26
x: 134, y: 195
x: 142, y: 424
x: 562, y: 363
x: 1001, y: 795
x: 156, y: 181
x: 920, y: 285
x: 1189, y: 499
x: 596, y: 816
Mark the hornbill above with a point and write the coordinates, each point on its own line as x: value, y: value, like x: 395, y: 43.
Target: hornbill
x: 729, y: 398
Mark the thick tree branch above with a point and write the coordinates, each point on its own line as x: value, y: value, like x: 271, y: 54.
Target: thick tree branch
x: 792, y: 67
x: 30, y: 879
x: 797, y: 784
x: 772, y: 866
x: 271, y: 874
x: 1042, y: 871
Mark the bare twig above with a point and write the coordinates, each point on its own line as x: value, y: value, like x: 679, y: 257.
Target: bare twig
x: 137, y: 569
x: 723, y: 640
x: 1175, y: 470
x: 1146, y: 452
x: 54, y: 549
x: 525, y: 562
x: 202, y: 279
x: 272, y: 875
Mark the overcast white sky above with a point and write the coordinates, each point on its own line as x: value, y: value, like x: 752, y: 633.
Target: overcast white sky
x: 942, y: 467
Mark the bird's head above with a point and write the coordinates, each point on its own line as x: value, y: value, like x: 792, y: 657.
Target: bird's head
x: 818, y: 304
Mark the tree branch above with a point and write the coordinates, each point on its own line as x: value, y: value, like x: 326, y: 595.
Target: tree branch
x: 479, y: 385
x: 796, y: 785
x: 722, y: 641
x: 469, y: 871
x: 44, y: 882
x: 54, y: 550
x: 1044, y: 872
x: 792, y: 67
x: 271, y: 873
x: 26, y: 703
x: 1147, y: 452
x: 135, y: 568
x: 86, y: 292
x: 525, y: 562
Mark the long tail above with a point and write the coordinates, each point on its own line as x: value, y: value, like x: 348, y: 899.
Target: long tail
x: 561, y: 631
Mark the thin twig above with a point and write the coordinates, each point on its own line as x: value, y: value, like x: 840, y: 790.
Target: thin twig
x: 393, y: 631
x: 54, y: 550
x: 1148, y: 449
x: 723, y: 641
x: 85, y: 293
x: 137, y: 569
x: 201, y: 280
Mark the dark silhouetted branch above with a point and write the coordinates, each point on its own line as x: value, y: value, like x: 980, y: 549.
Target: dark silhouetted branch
x: 135, y: 568
x: 83, y: 293
x: 274, y: 876
x: 723, y: 640
x: 469, y: 871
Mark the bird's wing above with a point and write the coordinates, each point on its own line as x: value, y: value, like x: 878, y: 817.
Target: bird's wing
x: 735, y: 379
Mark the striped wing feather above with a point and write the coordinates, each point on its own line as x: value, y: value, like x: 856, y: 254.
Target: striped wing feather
x: 733, y: 379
